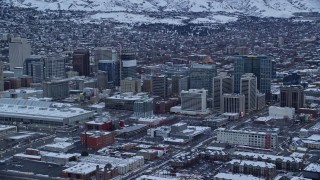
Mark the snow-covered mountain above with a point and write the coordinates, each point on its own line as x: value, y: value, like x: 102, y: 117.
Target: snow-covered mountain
x: 274, y: 8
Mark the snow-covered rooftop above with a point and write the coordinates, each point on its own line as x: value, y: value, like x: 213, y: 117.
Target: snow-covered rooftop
x: 253, y: 163
x: 313, y: 167
x: 236, y: 176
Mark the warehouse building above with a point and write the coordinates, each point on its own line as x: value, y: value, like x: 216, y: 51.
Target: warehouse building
x: 14, y: 111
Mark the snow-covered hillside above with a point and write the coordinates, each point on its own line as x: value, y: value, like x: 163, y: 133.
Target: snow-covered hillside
x: 274, y: 8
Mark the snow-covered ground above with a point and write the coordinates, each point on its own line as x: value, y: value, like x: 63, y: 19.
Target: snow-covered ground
x: 133, y: 11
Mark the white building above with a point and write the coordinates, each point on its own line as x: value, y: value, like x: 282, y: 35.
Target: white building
x: 123, y: 165
x: 162, y: 131
x: 19, y: 50
x: 59, y: 147
x: 281, y: 112
x: 56, y: 158
x: 247, y: 138
x: 222, y: 84
x: 248, y: 87
x: 233, y: 103
x: 193, y: 102
x: 41, y: 112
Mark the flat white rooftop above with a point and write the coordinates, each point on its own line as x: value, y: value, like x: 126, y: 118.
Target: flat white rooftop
x: 268, y: 156
x: 313, y: 167
x: 82, y: 168
x: 253, y: 163
x: 236, y: 176
x: 38, y: 110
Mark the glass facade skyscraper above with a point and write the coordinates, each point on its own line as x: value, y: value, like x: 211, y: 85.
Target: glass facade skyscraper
x: 201, y: 76
x: 260, y: 66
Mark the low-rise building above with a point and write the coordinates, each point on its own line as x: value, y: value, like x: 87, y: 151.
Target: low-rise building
x: 312, y: 142
x: 148, y: 154
x: 256, y: 168
x: 248, y: 138
x: 41, y: 112
x: 80, y: 171
x: 123, y: 165
x: 312, y: 171
x: 57, y: 158
x: 58, y: 147
x: 281, y: 112
x: 281, y: 162
x: 97, y: 139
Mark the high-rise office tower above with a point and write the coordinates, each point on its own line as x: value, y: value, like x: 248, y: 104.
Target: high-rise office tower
x: 201, y: 76
x: 81, y: 62
x: 102, y: 80
x: 56, y: 89
x: 54, y: 67
x: 160, y: 86
x: 34, y: 67
x: 117, y: 71
x: 260, y: 66
x: 109, y: 67
x: 129, y: 65
x: 1, y: 77
x: 248, y: 87
x: 233, y: 103
x: 19, y: 50
x: 292, y: 96
x: 179, y: 83
x: 143, y: 108
x: 222, y: 84
x: 147, y: 85
x: 104, y: 53
x: 130, y: 85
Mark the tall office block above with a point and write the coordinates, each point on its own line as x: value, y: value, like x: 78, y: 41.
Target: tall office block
x: 248, y: 87
x: 147, y: 85
x: 222, y: 84
x: 143, y: 108
x: 260, y: 66
x: 102, y: 80
x: 117, y: 75
x: 292, y: 96
x: 194, y: 100
x: 233, y: 103
x: 160, y: 86
x: 34, y: 67
x: 129, y: 65
x: 130, y: 85
x: 54, y: 67
x: 56, y: 89
x: 19, y: 50
x: 261, y: 101
x: 81, y: 62
x: 104, y: 53
x: 201, y: 76
x: 1, y: 77
x: 107, y: 66
x: 179, y: 83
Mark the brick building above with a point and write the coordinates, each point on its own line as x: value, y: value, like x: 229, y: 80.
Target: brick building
x: 97, y: 139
